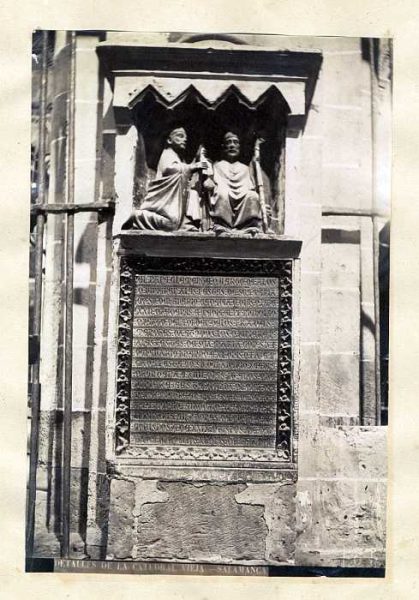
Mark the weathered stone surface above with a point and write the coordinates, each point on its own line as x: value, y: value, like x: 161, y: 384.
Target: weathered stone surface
x: 146, y: 492
x: 48, y: 512
x: 339, y: 384
x: 50, y: 434
x: 121, y: 519
x: 308, y: 442
x: 340, y: 264
x: 47, y: 544
x: 309, y: 377
x: 355, y: 452
x: 309, y: 307
x: 343, y: 123
x: 201, y: 523
x: 349, y: 452
x: 310, y: 232
x: 77, y: 546
x: 339, y: 557
x: 340, y: 516
x: 279, y: 503
x: 340, y: 320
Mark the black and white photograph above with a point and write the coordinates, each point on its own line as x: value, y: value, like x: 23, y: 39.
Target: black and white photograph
x: 209, y: 254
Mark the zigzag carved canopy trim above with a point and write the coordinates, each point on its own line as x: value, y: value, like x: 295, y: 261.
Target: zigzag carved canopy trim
x: 170, y: 92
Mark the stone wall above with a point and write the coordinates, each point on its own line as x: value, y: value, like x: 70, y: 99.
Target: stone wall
x: 336, y: 517
x: 335, y: 514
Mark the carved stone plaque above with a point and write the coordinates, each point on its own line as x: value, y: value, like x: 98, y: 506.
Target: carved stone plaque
x: 205, y: 362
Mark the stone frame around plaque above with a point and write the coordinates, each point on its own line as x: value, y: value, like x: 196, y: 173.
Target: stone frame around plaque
x: 192, y: 462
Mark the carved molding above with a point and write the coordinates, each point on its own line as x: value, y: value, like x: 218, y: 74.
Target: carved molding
x: 284, y: 417
x: 123, y: 377
x: 207, y: 453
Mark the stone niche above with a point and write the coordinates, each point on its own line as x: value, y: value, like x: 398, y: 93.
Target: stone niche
x: 205, y: 402
x: 261, y: 93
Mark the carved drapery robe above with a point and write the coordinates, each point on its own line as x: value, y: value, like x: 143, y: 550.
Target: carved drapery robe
x: 234, y: 202
x: 168, y: 205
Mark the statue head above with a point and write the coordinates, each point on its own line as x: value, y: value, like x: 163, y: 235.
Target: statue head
x: 177, y: 139
x: 231, y: 146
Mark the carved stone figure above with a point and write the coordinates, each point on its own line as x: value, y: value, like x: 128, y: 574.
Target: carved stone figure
x: 234, y: 202
x: 168, y: 206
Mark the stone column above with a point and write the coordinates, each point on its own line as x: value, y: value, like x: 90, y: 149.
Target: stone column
x: 88, y: 107
x: 98, y: 493
x: 50, y: 445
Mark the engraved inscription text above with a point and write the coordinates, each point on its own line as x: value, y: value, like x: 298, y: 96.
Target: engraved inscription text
x: 204, y: 360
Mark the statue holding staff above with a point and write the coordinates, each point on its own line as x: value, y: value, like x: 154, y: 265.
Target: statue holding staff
x: 168, y: 205
x: 234, y: 203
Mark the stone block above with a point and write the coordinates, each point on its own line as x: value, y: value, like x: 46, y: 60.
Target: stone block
x: 278, y: 500
x: 147, y: 492
x: 346, y: 139
x: 47, y: 420
x: 309, y: 377
x: 124, y: 176
x: 85, y: 172
x: 103, y: 499
x: 340, y: 320
x: 201, y: 523
x: 340, y: 265
x: 310, y: 307
x: 86, y: 162
x: 121, y: 519
x: 346, y: 185
x: 308, y: 442
x: 292, y: 217
x: 339, y: 384
x: 340, y: 516
x: 342, y: 89
x: 342, y: 558
x: 48, y: 512
x: 303, y: 167
x: 280, y: 517
x: 353, y: 452
x: 310, y: 233
x: 80, y: 439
